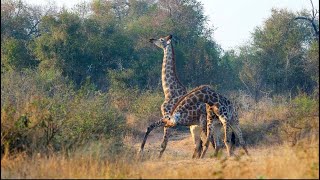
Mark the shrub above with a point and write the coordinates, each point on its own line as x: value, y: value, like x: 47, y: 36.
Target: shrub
x: 146, y: 109
x: 42, y: 111
x: 302, y: 118
x: 91, y: 118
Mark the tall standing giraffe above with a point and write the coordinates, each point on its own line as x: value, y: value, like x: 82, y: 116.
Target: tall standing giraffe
x: 173, y: 90
x: 217, y: 107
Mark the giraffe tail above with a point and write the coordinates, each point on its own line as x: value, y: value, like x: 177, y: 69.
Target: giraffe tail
x: 156, y: 124
x: 233, y: 139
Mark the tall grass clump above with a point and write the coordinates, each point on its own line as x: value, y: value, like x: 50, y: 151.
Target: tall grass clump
x: 279, y: 119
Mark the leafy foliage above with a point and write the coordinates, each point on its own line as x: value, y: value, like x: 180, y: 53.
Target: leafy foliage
x: 41, y: 112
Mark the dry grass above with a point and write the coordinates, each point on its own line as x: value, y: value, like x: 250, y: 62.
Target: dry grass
x: 281, y: 162
x: 277, y: 161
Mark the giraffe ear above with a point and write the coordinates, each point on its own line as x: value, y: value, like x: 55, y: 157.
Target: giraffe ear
x: 168, y: 37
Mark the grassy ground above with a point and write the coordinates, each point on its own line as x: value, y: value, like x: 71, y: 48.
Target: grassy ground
x: 276, y: 161
x: 282, y: 138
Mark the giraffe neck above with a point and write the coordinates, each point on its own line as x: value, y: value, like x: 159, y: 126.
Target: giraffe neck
x: 171, y: 85
x: 202, y: 94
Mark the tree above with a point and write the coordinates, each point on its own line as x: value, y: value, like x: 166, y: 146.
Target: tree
x: 312, y: 18
x: 281, y: 46
x: 15, y: 55
x: 19, y: 27
x: 20, y: 20
x: 251, y: 72
x: 230, y: 65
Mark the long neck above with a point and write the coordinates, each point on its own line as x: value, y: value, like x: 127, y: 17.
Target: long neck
x: 170, y: 82
x: 202, y: 94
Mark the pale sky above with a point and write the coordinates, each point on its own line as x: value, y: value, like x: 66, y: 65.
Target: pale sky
x: 234, y: 20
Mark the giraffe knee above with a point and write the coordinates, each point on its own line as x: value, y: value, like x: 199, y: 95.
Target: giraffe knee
x: 163, y: 145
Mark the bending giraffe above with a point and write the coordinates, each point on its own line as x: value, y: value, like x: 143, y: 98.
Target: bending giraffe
x: 173, y: 90
x: 217, y: 107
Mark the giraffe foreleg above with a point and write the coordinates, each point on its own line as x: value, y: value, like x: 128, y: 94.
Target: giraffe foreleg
x: 196, y: 135
x: 209, y: 134
x: 216, y: 136
x: 203, y: 123
x: 167, y: 132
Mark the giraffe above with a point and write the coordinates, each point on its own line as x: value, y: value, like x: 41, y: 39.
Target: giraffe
x: 217, y: 107
x: 173, y: 90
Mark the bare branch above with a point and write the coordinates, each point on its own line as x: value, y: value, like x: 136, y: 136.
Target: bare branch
x: 313, y: 14
x: 312, y: 23
x: 304, y: 18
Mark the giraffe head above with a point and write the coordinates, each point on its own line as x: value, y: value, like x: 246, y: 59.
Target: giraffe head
x: 162, y: 42
x: 172, y: 120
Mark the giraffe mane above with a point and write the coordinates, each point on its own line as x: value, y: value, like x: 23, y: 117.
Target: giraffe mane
x: 174, y: 67
x: 184, y: 96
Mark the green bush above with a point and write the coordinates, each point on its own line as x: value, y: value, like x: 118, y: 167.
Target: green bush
x: 302, y: 119
x: 146, y: 108
x: 41, y: 111
x: 91, y: 118
x: 304, y: 105
x: 140, y: 107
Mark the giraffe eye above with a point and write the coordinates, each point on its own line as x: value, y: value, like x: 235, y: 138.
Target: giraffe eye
x: 161, y: 40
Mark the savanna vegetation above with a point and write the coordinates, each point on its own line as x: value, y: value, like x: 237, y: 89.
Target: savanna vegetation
x: 79, y: 87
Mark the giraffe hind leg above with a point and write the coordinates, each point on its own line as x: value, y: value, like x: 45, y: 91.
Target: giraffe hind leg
x: 196, y: 136
x: 227, y: 137
x: 209, y: 133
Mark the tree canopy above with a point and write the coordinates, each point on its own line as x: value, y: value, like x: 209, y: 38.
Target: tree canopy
x: 100, y: 40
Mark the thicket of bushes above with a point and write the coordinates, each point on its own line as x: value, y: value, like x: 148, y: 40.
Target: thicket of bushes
x: 44, y: 112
